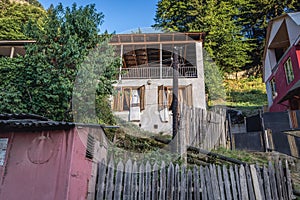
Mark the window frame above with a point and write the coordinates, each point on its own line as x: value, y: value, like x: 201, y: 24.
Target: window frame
x: 289, y: 72
x: 118, y: 99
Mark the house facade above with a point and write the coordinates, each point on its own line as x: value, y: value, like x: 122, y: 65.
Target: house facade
x: 145, y: 84
x: 281, y: 63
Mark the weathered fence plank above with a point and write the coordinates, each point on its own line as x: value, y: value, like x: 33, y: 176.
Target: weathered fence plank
x: 170, y: 182
x: 233, y: 183
x: 134, y: 188
x: 208, y: 183
x: 183, y: 183
x: 177, y: 182
x: 221, y: 183
x: 289, y: 181
x: 110, y: 178
x: 256, y: 185
x: 278, y: 181
x: 237, y: 178
x: 148, y: 182
x: 203, y: 129
x: 212, y: 182
x: 189, y: 189
x: 127, y: 181
x: 203, y: 184
x: 226, y: 183
x: 260, y: 181
x: 283, y: 181
x: 249, y: 183
x: 155, y: 182
x: 141, y: 193
x: 196, y: 183
x: 101, y: 179
x: 267, y: 183
x: 243, y: 181
x: 162, y: 188
x: 119, y: 181
x: 273, y: 182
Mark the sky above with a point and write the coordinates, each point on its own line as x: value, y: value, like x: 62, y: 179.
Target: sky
x: 120, y: 16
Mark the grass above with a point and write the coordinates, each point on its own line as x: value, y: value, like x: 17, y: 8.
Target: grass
x: 248, y: 157
x: 246, y: 94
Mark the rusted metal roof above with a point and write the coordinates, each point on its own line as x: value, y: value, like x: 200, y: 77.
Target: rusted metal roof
x: 30, y: 122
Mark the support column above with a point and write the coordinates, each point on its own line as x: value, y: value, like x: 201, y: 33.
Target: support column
x: 121, y: 63
x: 160, y: 60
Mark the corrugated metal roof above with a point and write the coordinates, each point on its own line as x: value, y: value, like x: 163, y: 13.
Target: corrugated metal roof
x: 30, y: 122
x: 295, y: 17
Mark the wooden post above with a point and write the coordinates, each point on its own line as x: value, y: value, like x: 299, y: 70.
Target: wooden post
x: 160, y: 61
x: 121, y: 63
x: 175, y: 92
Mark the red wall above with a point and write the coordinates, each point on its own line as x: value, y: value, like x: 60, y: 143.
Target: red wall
x: 281, y: 84
x: 45, y: 165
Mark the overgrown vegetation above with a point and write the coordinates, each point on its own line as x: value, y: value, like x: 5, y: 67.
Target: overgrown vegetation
x: 235, y: 29
x: 246, y: 94
x: 14, y: 15
x: 68, y: 50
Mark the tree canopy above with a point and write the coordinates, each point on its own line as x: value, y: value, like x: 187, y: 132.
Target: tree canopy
x: 235, y: 29
x: 14, y: 15
x: 42, y: 82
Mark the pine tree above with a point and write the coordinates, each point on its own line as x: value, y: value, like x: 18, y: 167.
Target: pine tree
x: 224, y: 40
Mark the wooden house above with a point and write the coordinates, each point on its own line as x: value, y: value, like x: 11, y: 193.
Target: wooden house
x: 281, y: 63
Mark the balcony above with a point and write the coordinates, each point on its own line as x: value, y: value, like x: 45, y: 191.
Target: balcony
x: 157, y: 72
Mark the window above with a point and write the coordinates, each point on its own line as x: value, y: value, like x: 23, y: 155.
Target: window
x: 288, y: 68
x: 90, y: 147
x: 165, y: 96
x: 123, y: 99
x: 273, y: 88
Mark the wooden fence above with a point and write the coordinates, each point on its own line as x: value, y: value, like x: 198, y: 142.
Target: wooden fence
x: 205, y: 129
x: 205, y: 182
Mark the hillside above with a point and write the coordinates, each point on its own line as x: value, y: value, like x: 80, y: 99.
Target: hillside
x: 246, y: 94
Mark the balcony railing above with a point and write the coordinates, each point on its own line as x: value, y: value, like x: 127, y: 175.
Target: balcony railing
x: 157, y: 72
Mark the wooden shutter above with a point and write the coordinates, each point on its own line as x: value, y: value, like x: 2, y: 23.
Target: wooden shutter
x: 170, y: 97
x: 117, y: 104
x: 189, y: 95
x: 160, y: 97
x: 142, y: 97
x: 126, y: 98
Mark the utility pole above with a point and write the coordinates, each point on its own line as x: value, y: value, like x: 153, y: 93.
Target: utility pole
x: 175, y: 92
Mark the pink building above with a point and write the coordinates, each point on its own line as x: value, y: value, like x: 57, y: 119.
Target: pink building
x: 281, y: 63
x: 42, y: 159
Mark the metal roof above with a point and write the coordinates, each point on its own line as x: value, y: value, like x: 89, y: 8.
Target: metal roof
x: 31, y: 122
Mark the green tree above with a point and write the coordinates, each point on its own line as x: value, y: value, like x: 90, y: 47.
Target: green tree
x: 14, y: 15
x: 254, y: 18
x: 224, y: 40
x: 67, y: 42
